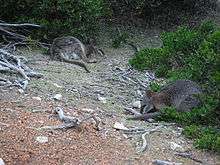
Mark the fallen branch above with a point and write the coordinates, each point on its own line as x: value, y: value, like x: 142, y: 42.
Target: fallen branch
x: 10, y: 63
x: 132, y: 111
x: 189, y: 156
x: 69, y: 121
x: 163, y: 162
x: 144, y: 141
x: 20, y: 25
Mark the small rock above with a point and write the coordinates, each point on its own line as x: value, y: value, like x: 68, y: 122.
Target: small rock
x: 102, y: 99
x: 139, y: 93
x: 42, y: 139
x: 136, y: 104
x: 88, y: 110
x: 21, y: 91
x: 58, y: 97
x: 151, y: 120
x: 120, y: 126
x: 36, y: 98
x: 2, y: 161
x: 176, y: 147
x: 56, y: 85
x: 163, y: 162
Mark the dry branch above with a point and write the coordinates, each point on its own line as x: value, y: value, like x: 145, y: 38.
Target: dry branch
x: 14, y: 35
x: 70, y: 121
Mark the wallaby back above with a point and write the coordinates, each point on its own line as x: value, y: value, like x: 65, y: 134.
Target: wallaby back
x: 70, y: 46
x: 181, y: 94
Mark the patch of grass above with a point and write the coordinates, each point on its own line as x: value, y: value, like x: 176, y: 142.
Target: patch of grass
x: 190, y: 54
x: 155, y: 87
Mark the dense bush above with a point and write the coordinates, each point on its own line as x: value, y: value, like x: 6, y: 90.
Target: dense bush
x: 58, y: 16
x: 190, y: 54
x: 161, y: 12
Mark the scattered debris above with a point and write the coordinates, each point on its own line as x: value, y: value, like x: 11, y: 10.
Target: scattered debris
x: 136, y: 104
x: 42, y: 139
x: 163, y: 162
x: 120, y: 126
x: 57, y: 97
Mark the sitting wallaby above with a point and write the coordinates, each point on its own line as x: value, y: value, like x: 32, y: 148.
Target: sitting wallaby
x: 71, y: 50
x: 181, y: 95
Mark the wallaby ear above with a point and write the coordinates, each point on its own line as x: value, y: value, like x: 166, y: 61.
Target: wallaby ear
x: 149, y: 93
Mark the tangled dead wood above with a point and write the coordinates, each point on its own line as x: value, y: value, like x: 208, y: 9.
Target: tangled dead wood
x: 13, y: 35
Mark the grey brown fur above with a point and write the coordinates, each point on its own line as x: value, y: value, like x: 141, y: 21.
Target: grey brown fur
x: 181, y: 94
x: 71, y: 50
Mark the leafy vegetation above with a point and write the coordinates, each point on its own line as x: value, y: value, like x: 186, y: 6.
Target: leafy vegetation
x: 190, y: 54
x: 59, y: 17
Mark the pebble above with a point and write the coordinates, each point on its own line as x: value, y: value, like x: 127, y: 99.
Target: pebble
x: 88, y: 110
x: 36, y: 98
x: 120, y: 126
x: 56, y: 85
x: 2, y: 161
x: 176, y: 147
x: 136, y: 104
x: 102, y: 99
x: 42, y: 139
x: 58, y: 97
x: 20, y: 91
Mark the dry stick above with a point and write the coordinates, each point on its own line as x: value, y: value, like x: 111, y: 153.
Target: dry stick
x: 131, y: 110
x: 7, y: 125
x: 17, y: 36
x: 144, y: 143
x: 18, y: 70
x: 69, y: 121
x: 163, y: 162
x: 189, y: 156
x: 20, y: 25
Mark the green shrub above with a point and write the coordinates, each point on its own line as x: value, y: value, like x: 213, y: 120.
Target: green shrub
x: 190, y: 54
x: 59, y: 17
x: 205, y: 138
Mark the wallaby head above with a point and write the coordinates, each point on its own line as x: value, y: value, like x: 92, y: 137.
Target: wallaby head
x: 154, y: 101
x: 92, y: 50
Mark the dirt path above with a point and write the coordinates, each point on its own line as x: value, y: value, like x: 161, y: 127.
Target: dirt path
x: 110, y: 87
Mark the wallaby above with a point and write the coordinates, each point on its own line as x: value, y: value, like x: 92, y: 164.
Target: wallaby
x: 71, y: 50
x: 181, y: 95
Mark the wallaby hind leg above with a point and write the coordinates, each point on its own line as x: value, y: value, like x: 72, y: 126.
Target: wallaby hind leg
x: 188, y: 104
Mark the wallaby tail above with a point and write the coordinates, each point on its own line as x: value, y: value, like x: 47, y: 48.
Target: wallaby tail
x: 77, y: 62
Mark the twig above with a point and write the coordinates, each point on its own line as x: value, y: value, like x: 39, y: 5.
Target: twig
x: 144, y: 143
x: 189, y: 156
x: 69, y: 121
x: 20, y: 25
x: 131, y: 110
x: 7, y: 125
x: 163, y: 162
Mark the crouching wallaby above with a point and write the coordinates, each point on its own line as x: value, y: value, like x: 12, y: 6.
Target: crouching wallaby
x: 71, y: 50
x: 182, y: 95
